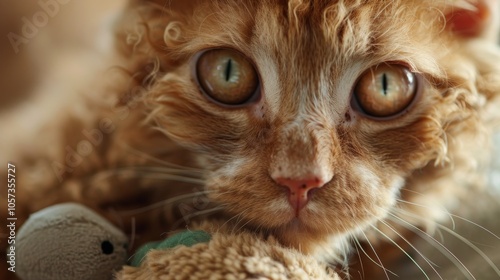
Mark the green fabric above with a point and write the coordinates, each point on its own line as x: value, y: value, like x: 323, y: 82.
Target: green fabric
x: 186, y: 238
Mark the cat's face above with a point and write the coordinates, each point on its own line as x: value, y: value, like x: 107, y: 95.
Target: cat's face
x: 309, y: 116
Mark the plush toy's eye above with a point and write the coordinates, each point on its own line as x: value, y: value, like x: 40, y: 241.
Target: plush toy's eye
x: 227, y: 76
x: 107, y: 247
x: 385, y: 90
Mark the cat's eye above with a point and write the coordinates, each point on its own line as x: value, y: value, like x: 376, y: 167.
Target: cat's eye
x: 385, y: 90
x: 227, y: 76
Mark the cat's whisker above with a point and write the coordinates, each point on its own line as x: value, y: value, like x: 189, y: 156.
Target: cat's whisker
x: 378, y: 264
x: 146, y: 170
x: 238, y: 217
x: 163, y: 203
x: 432, y: 265
x: 452, y: 216
x: 435, y: 243
x: 196, y: 214
x: 421, y: 194
x: 228, y: 191
x: 342, y: 257
x: 443, y: 209
x: 357, y: 246
x: 386, y: 271
x: 158, y: 169
x: 157, y: 160
x: 243, y: 225
x: 169, y: 177
x: 465, y: 241
x: 472, y: 246
x: 402, y: 250
x: 440, y: 233
x: 230, y: 219
x: 156, y: 176
x: 402, y: 211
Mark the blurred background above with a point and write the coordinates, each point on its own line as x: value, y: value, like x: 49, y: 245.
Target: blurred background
x: 49, y: 47
x: 39, y: 36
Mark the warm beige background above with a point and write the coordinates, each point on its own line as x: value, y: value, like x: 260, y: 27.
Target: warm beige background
x: 56, y: 60
x: 60, y: 54
x: 76, y: 33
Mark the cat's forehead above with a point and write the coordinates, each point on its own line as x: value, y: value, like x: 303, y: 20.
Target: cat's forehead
x: 342, y: 30
x: 328, y: 34
x: 313, y: 51
x: 307, y: 41
x: 306, y: 29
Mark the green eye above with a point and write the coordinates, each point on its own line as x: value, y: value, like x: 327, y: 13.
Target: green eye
x: 227, y: 76
x: 385, y: 90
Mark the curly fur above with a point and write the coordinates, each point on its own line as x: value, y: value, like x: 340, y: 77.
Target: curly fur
x: 428, y: 148
x: 309, y: 54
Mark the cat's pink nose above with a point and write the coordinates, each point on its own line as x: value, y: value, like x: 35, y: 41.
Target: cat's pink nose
x: 299, y: 190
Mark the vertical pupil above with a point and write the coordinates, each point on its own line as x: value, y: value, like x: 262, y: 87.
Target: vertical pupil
x: 384, y: 83
x: 228, y: 69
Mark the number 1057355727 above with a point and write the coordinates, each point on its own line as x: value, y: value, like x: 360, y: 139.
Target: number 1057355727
x: 11, y: 189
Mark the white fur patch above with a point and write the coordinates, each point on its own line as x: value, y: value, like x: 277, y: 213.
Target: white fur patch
x: 278, y: 205
x: 270, y: 86
x: 233, y: 168
x: 367, y: 177
x: 336, y: 248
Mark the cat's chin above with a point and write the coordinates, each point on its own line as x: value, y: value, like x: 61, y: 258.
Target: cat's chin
x: 307, y: 236
x: 306, y: 224
x: 303, y: 221
x: 312, y: 222
x: 296, y: 223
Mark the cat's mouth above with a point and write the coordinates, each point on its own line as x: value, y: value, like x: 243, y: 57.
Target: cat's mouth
x: 282, y: 214
x: 356, y: 196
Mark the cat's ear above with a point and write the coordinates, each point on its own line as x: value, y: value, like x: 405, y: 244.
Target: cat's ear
x: 479, y: 19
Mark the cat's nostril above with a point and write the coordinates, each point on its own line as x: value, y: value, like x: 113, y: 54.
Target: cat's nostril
x: 299, y: 190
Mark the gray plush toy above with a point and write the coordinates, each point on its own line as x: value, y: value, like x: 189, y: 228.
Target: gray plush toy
x: 71, y: 242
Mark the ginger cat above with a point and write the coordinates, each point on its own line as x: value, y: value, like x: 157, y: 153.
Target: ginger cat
x: 327, y: 124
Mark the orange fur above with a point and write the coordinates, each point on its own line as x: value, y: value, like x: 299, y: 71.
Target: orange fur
x: 309, y: 55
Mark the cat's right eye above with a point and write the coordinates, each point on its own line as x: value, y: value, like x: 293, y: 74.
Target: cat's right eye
x: 385, y: 90
x: 227, y: 76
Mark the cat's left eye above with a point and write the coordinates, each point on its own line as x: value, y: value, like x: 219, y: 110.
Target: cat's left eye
x: 227, y: 76
x: 385, y: 90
